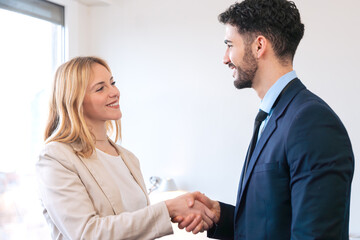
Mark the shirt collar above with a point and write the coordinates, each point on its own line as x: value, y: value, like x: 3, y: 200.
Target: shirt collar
x: 275, y: 90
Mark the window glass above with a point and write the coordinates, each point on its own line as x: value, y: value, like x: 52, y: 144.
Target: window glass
x: 31, y: 49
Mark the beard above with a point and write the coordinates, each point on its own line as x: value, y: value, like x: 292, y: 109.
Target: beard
x: 245, y: 74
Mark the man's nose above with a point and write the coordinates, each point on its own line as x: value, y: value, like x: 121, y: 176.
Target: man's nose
x: 226, y: 59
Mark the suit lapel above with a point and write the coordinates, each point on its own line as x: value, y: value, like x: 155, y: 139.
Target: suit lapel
x: 287, y: 96
x: 241, y: 184
x: 270, y: 128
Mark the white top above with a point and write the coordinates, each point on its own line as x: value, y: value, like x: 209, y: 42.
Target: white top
x: 132, y: 196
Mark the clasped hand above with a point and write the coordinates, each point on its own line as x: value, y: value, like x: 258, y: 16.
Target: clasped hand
x: 194, y: 211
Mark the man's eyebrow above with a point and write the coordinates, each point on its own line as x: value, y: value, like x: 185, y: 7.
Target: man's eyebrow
x: 227, y: 41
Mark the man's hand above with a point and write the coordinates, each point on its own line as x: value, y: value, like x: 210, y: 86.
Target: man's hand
x: 190, y: 221
x: 180, y: 208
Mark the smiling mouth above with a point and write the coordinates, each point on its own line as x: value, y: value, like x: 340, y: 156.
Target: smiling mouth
x: 231, y: 66
x: 114, y: 104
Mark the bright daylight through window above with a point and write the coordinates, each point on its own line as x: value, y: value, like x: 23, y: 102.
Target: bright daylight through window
x: 31, y: 49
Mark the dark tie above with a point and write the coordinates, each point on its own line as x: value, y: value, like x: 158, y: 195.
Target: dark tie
x: 258, y: 120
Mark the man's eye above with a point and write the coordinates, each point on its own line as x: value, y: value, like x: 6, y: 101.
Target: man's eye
x: 99, y: 89
x: 113, y: 83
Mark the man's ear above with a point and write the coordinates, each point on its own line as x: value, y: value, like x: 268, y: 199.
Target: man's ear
x: 260, y: 46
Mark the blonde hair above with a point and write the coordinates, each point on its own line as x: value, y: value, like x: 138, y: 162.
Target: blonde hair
x: 66, y: 122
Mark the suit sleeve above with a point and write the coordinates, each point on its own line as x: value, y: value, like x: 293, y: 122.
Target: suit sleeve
x: 71, y: 210
x: 224, y: 229
x: 321, y: 165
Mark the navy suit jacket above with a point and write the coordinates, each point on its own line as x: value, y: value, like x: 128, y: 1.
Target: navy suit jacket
x: 298, y: 182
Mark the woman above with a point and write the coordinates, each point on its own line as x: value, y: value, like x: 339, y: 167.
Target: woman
x: 90, y: 187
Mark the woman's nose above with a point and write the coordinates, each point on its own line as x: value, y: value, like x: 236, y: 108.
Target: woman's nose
x: 114, y: 92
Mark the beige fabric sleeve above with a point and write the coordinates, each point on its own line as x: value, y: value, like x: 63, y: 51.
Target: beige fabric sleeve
x: 74, y: 211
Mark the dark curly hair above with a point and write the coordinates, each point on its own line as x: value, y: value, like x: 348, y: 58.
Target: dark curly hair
x: 277, y: 20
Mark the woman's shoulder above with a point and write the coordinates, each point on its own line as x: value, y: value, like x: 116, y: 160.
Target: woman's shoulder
x: 56, y: 146
x: 57, y: 150
x: 57, y: 158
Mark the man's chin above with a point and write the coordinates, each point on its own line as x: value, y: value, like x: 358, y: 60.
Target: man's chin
x: 242, y: 84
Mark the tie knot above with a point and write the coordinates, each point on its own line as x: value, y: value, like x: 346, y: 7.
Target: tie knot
x: 261, y: 116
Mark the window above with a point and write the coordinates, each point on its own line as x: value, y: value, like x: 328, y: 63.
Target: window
x: 31, y: 47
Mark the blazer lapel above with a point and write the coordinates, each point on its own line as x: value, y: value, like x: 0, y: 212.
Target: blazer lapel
x: 99, y: 173
x: 287, y: 96
x: 134, y: 169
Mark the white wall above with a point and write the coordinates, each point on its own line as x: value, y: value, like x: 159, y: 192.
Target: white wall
x: 76, y: 27
x: 182, y: 116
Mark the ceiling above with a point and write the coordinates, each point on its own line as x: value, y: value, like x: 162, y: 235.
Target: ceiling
x: 96, y: 2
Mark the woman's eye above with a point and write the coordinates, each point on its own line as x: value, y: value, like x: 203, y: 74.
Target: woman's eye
x: 113, y: 83
x: 99, y: 89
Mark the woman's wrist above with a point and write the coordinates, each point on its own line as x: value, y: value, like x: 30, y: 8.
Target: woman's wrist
x: 170, y: 207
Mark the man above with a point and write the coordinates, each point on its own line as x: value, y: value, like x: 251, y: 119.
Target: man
x: 296, y: 180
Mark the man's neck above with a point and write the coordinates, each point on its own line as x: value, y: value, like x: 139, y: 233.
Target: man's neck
x: 267, y: 76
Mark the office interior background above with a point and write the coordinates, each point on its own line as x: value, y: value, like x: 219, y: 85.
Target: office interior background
x: 182, y: 116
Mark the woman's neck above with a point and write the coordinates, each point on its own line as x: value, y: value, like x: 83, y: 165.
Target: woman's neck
x: 99, y: 131
x: 107, y: 147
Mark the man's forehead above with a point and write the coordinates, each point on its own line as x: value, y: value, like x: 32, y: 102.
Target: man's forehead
x: 231, y: 33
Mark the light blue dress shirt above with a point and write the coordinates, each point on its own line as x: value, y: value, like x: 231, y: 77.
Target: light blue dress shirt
x: 271, y: 96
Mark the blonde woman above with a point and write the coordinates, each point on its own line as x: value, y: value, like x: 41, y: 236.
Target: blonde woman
x: 90, y: 187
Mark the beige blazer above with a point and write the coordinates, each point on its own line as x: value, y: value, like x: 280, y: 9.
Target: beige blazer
x: 81, y: 201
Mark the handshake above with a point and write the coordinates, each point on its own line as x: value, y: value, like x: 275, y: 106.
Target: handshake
x: 194, y: 211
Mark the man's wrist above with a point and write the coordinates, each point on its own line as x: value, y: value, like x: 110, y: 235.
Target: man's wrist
x: 217, y: 211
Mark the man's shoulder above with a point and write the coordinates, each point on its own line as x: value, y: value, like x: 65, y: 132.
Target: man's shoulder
x: 307, y: 99
x: 308, y: 109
